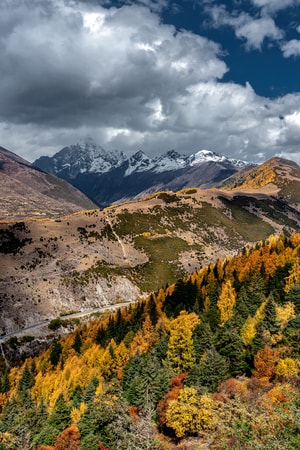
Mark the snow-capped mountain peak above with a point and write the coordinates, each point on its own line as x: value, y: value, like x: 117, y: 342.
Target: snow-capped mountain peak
x: 171, y: 160
x: 206, y: 156
x: 108, y: 176
x: 86, y: 156
x: 139, y: 162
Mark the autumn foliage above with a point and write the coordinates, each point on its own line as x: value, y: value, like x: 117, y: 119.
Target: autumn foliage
x: 212, y: 359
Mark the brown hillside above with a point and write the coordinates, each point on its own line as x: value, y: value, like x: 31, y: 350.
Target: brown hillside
x: 29, y: 192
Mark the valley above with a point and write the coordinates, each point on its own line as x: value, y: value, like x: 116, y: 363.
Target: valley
x: 156, y: 322
x: 95, y: 258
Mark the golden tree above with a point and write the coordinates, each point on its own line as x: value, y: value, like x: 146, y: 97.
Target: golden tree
x: 287, y: 367
x: 181, y: 352
x: 226, y: 302
x: 190, y: 413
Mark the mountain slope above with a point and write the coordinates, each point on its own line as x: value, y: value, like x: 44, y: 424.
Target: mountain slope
x: 107, y: 178
x: 280, y: 175
x: 92, y: 258
x: 29, y: 192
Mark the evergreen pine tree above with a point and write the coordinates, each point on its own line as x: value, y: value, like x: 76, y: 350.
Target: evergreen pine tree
x: 26, y: 382
x: 242, y: 303
x: 202, y: 338
x: 60, y: 417
x: 55, y: 353
x: 256, y: 290
x: 90, y: 390
x: 5, y: 383
x: 152, y: 310
x: 101, y: 336
x: 230, y: 345
x: 269, y: 322
x: 77, y: 342
x: 209, y: 373
x: 293, y: 295
x: 182, y: 298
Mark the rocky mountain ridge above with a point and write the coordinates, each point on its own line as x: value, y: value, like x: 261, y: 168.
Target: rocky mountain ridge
x: 109, y: 177
x: 86, y: 156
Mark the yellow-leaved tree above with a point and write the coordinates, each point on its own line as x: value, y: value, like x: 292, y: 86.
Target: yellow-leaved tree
x: 190, y: 413
x: 226, y: 302
x: 287, y: 367
x: 248, y: 330
x: 285, y: 313
x: 293, y: 277
x: 181, y: 352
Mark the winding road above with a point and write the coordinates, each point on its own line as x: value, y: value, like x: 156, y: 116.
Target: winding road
x: 20, y: 331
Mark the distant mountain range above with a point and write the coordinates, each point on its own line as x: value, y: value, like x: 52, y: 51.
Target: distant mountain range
x: 109, y: 177
x: 26, y: 191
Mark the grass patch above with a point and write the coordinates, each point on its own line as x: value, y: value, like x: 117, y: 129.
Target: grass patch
x: 291, y: 191
x: 137, y: 223
x: 163, y: 253
x: 251, y: 227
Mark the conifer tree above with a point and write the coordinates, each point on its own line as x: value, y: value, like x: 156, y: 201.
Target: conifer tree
x: 152, y: 310
x: 293, y: 295
x: 5, y: 383
x: 26, y: 382
x: 90, y: 390
x: 229, y: 344
x: 270, y: 317
x: 60, y: 417
x: 210, y: 372
x: 182, y: 298
x: 56, y: 351
x: 77, y: 342
x: 101, y: 336
x: 202, y: 339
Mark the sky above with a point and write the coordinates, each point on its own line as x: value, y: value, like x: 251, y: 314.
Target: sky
x: 154, y: 75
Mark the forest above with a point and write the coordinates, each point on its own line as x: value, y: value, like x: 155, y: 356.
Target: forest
x: 211, y: 361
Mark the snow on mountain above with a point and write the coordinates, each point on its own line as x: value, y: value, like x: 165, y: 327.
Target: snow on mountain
x: 139, y: 162
x: 86, y: 157
x: 207, y: 155
x: 170, y: 161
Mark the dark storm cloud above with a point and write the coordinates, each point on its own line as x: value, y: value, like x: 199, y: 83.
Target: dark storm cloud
x: 71, y: 69
x: 66, y: 66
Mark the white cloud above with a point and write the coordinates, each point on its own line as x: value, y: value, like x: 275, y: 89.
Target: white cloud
x: 272, y: 6
x: 97, y: 65
x: 256, y: 31
x: 291, y: 48
x: 253, y: 30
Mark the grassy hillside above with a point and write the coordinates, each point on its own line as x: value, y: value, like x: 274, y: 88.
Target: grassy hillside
x: 94, y: 258
x: 284, y: 175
